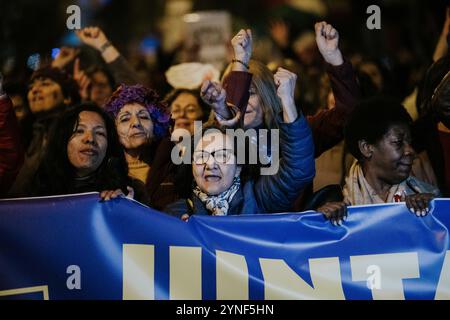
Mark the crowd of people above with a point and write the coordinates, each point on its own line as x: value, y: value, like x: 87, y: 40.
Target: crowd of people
x: 77, y: 128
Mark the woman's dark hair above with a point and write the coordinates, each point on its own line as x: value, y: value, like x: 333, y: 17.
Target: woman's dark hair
x: 56, y: 174
x: 172, y: 95
x: 371, y: 120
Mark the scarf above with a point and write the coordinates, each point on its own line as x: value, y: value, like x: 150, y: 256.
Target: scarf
x: 218, y: 205
x: 358, y: 191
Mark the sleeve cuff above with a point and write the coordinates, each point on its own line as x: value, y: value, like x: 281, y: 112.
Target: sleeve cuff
x: 341, y: 70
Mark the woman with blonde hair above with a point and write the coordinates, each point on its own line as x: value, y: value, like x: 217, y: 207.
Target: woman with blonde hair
x: 260, y: 106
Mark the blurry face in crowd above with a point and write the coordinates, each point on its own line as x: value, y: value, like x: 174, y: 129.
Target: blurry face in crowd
x: 87, y: 146
x: 308, y: 55
x: 373, y: 72
x: 185, y: 109
x: 19, y: 107
x: 254, y: 114
x: 134, y: 126
x: 214, y: 163
x: 100, y: 88
x: 392, y: 157
x: 44, y: 94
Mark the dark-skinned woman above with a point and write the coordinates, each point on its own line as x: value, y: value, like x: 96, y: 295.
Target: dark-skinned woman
x: 378, y: 135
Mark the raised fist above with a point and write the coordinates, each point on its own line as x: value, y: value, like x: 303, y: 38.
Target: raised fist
x: 242, y: 45
x: 327, y: 39
x: 92, y: 36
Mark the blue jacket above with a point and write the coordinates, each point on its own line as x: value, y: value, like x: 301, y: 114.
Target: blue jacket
x: 270, y: 193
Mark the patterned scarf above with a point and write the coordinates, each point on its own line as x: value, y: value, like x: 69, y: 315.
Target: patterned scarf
x: 358, y: 191
x: 219, y: 205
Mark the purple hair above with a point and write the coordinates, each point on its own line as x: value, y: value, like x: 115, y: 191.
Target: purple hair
x: 148, y: 98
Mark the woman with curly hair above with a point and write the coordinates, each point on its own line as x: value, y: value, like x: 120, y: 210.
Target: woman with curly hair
x: 142, y: 120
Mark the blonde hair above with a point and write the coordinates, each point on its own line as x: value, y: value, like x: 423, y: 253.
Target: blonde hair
x: 262, y: 81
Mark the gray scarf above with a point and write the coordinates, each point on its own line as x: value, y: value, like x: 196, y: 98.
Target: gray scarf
x: 218, y: 205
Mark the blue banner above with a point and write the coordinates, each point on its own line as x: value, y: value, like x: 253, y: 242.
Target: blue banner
x: 75, y: 247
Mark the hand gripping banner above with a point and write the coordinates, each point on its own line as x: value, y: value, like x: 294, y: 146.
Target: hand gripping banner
x: 75, y: 247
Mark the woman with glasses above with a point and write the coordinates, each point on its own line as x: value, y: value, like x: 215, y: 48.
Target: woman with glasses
x: 213, y: 184
x: 186, y: 107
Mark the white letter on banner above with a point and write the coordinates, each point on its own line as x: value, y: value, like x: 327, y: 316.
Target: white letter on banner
x: 185, y: 273
x: 232, y: 276
x: 394, y: 267
x: 281, y: 282
x: 443, y: 288
x: 138, y: 272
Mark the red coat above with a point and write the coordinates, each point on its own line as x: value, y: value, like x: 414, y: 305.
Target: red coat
x: 11, y: 150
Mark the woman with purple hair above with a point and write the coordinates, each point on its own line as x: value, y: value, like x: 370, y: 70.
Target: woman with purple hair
x: 142, y: 120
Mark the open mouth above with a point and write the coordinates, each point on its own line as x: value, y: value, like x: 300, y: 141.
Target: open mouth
x: 182, y: 124
x: 137, y: 135
x: 212, y: 178
x: 37, y: 98
x: 89, y: 152
x: 407, y: 166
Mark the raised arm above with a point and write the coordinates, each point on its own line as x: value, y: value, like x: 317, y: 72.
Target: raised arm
x: 116, y: 63
x: 237, y: 82
x: 276, y: 192
x: 442, y: 45
x: 230, y: 99
x: 327, y: 126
